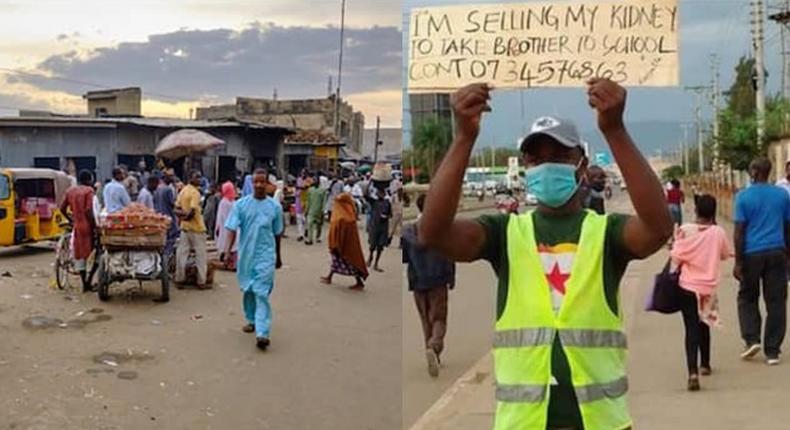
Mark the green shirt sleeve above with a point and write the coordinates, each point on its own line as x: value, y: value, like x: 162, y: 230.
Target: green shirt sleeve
x: 494, y: 248
x: 616, y: 258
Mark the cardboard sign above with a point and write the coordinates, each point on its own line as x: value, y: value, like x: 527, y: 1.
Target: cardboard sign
x: 548, y: 44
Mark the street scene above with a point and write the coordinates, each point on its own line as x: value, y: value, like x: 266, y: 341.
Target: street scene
x: 617, y: 174
x: 72, y: 361
x: 200, y: 213
x: 462, y: 396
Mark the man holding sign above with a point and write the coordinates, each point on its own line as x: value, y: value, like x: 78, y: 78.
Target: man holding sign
x: 559, y: 343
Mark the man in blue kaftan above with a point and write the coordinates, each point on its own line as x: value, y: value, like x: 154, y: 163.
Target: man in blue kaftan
x: 259, y: 222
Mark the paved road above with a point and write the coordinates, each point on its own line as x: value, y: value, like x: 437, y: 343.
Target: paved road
x: 327, y: 367
x: 740, y: 395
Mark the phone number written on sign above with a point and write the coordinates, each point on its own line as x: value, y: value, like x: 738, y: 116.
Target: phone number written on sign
x: 520, y: 72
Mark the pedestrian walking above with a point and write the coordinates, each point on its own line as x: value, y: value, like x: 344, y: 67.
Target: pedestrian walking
x: 300, y: 201
x: 221, y: 233
x: 131, y: 182
x: 596, y: 186
x: 762, y: 219
x: 164, y: 203
x: 344, y: 246
x: 430, y: 277
x: 193, y: 233
x: 115, y: 195
x: 675, y: 200
x: 77, y: 207
x: 378, y: 230
x: 210, y: 205
x: 258, y: 219
x: 146, y: 196
x: 785, y: 182
x: 560, y: 345
x: 698, y: 249
x: 396, y: 223
x: 316, y: 200
x: 335, y: 189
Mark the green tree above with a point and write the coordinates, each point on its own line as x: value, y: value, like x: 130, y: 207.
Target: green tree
x: 672, y: 172
x: 738, y: 122
x: 430, y: 142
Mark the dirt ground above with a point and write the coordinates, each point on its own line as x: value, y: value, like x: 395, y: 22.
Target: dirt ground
x: 133, y: 364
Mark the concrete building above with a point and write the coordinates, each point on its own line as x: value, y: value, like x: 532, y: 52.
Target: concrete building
x: 115, y: 102
x: 312, y: 150
x: 97, y: 144
x: 308, y: 114
x: 429, y: 106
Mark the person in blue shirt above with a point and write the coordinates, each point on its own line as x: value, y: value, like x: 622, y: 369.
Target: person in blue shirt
x: 115, y: 195
x: 246, y: 189
x: 762, y: 239
x: 259, y: 221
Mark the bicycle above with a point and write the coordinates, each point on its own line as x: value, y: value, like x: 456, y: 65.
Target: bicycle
x: 65, y: 269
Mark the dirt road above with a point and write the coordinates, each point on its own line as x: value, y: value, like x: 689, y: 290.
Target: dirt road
x: 133, y: 364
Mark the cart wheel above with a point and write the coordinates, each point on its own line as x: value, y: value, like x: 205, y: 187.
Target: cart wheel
x: 62, y: 262
x: 104, y: 283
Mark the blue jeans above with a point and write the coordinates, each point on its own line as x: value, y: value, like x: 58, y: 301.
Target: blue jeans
x: 676, y: 213
x: 258, y: 311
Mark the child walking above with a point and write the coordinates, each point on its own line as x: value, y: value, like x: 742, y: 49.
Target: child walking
x: 698, y: 249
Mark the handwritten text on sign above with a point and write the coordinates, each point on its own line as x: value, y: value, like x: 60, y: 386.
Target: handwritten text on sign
x: 558, y: 44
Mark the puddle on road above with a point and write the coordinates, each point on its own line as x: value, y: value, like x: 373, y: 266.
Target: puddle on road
x: 127, y: 375
x: 120, y: 358
x: 39, y: 322
x: 115, y: 359
x: 95, y: 372
x: 80, y: 323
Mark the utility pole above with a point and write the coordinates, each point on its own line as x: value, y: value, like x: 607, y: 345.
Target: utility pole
x: 493, y: 155
x: 376, y: 143
x: 340, y: 66
x: 783, y: 19
x: 685, y: 146
x: 716, y: 97
x: 700, y: 92
x: 758, y: 15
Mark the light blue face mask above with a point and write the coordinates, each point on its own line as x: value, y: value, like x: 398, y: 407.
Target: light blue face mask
x: 553, y: 184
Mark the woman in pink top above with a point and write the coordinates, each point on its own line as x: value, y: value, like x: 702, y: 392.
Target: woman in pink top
x: 699, y: 248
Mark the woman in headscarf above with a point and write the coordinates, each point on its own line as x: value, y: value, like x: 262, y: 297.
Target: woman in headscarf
x: 344, y: 245
x: 220, y: 232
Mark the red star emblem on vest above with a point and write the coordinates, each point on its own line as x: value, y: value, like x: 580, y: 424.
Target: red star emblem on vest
x: 557, y: 279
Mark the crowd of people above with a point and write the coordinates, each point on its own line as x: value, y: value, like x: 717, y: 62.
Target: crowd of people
x: 247, y: 219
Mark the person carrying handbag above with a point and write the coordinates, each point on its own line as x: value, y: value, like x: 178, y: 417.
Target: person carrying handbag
x: 699, y: 248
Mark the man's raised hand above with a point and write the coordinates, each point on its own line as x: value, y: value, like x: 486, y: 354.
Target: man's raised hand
x: 608, y: 99
x: 469, y: 103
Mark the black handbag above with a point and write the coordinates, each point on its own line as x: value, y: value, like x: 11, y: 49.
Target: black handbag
x: 665, y: 297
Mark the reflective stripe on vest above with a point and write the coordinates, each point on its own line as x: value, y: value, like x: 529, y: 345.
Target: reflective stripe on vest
x: 530, y: 393
x: 589, y: 332
x: 593, y: 392
x: 586, y: 338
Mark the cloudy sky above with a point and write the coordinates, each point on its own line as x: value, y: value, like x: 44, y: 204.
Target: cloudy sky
x: 706, y: 27
x: 187, y: 53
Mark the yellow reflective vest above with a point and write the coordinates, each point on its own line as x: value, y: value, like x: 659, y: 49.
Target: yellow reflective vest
x: 591, y: 334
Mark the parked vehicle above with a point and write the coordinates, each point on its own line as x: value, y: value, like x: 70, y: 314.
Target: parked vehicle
x: 30, y: 202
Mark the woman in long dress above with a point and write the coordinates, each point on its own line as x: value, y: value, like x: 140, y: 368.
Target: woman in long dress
x: 220, y: 232
x: 78, y: 208
x: 344, y: 244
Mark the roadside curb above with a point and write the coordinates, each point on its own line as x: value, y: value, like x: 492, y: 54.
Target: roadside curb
x: 439, y: 415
